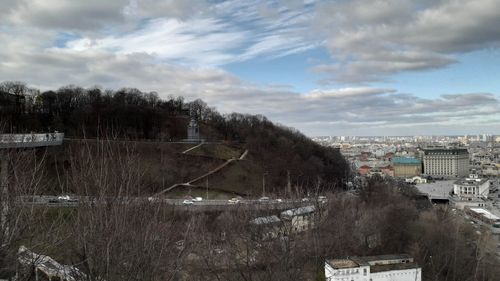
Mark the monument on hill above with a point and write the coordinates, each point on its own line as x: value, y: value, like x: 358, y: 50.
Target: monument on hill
x: 193, y: 131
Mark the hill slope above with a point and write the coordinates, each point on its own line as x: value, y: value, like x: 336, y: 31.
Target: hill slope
x: 277, y: 154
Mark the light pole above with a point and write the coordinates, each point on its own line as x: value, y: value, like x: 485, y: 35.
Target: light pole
x: 264, y: 184
x: 207, y: 187
x: 4, y: 185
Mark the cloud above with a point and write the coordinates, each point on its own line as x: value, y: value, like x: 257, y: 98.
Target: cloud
x: 175, y: 49
x: 371, y: 40
x: 357, y: 110
x: 94, y: 15
x: 231, y: 31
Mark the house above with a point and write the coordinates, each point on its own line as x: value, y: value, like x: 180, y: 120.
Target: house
x: 299, y: 219
x: 267, y: 227
x: 364, y: 170
x: 373, y: 268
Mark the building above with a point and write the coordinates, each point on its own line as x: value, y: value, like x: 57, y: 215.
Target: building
x: 373, y: 268
x: 416, y: 180
x: 406, y: 167
x: 471, y: 187
x: 483, y: 215
x: 446, y: 162
x: 267, y: 227
x: 363, y: 170
x: 299, y: 219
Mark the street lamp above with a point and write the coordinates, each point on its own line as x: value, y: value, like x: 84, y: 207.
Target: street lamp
x: 264, y: 183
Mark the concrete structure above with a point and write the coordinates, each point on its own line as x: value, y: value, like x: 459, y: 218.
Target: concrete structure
x: 19, y: 141
x: 406, y: 167
x: 30, y: 140
x: 471, y: 187
x: 193, y: 131
x: 373, y: 268
x: 446, y: 162
x: 45, y: 268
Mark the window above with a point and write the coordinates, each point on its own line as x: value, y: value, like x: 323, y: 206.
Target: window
x: 364, y: 271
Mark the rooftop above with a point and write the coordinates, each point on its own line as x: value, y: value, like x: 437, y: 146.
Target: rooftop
x: 485, y: 213
x: 406, y: 161
x: 377, y: 263
x: 266, y: 220
x: 470, y: 182
x: 396, y: 266
x: 445, y: 151
x: 298, y: 211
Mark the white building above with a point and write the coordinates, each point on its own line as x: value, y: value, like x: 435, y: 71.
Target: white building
x: 471, y: 187
x: 373, y: 268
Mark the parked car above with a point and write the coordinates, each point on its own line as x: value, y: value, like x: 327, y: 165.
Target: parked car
x: 197, y: 199
x: 279, y: 200
x: 233, y: 201
x: 264, y: 199
x: 305, y: 199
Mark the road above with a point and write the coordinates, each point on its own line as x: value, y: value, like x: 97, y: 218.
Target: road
x: 53, y: 201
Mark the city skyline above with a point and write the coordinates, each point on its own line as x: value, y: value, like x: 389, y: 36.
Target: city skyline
x: 365, y: 68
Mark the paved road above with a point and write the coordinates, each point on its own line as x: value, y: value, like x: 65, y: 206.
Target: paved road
x: 53, y: 201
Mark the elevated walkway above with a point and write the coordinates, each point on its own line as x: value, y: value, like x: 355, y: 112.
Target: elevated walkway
x: 30, y: 140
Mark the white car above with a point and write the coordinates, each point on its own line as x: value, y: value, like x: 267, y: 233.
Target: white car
x: 64, y: 198
x: 264, y: 199
x: 197, y: 199
x: 187, y: 202
x: 233, y: 201
x: 279, y: 200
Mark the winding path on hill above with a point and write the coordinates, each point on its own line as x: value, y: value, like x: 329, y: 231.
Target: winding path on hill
x: 209, y: 173
x: 192, y: 148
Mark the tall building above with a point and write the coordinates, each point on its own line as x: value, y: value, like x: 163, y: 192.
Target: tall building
x: 446, y: 162
x: 406, y: 166
x: 379, y: 268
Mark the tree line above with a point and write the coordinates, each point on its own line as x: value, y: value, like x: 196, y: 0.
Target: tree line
x: 134, y: 115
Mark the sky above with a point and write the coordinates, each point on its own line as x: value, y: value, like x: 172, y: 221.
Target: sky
x: 357, y: 67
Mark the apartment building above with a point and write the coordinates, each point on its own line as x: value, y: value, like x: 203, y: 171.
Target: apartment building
x: 446, y: 162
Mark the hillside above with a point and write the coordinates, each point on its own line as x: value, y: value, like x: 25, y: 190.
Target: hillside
x: 150, y: 128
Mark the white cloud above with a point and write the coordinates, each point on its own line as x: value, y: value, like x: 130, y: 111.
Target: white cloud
x: 370, y: 40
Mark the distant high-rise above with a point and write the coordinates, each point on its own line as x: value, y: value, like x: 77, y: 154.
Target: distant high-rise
x: 446, y: 162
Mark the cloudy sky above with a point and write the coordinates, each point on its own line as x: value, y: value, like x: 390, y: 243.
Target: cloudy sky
x: 357, y: 67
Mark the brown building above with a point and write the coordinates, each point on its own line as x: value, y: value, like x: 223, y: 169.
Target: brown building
x: 406, y: 167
